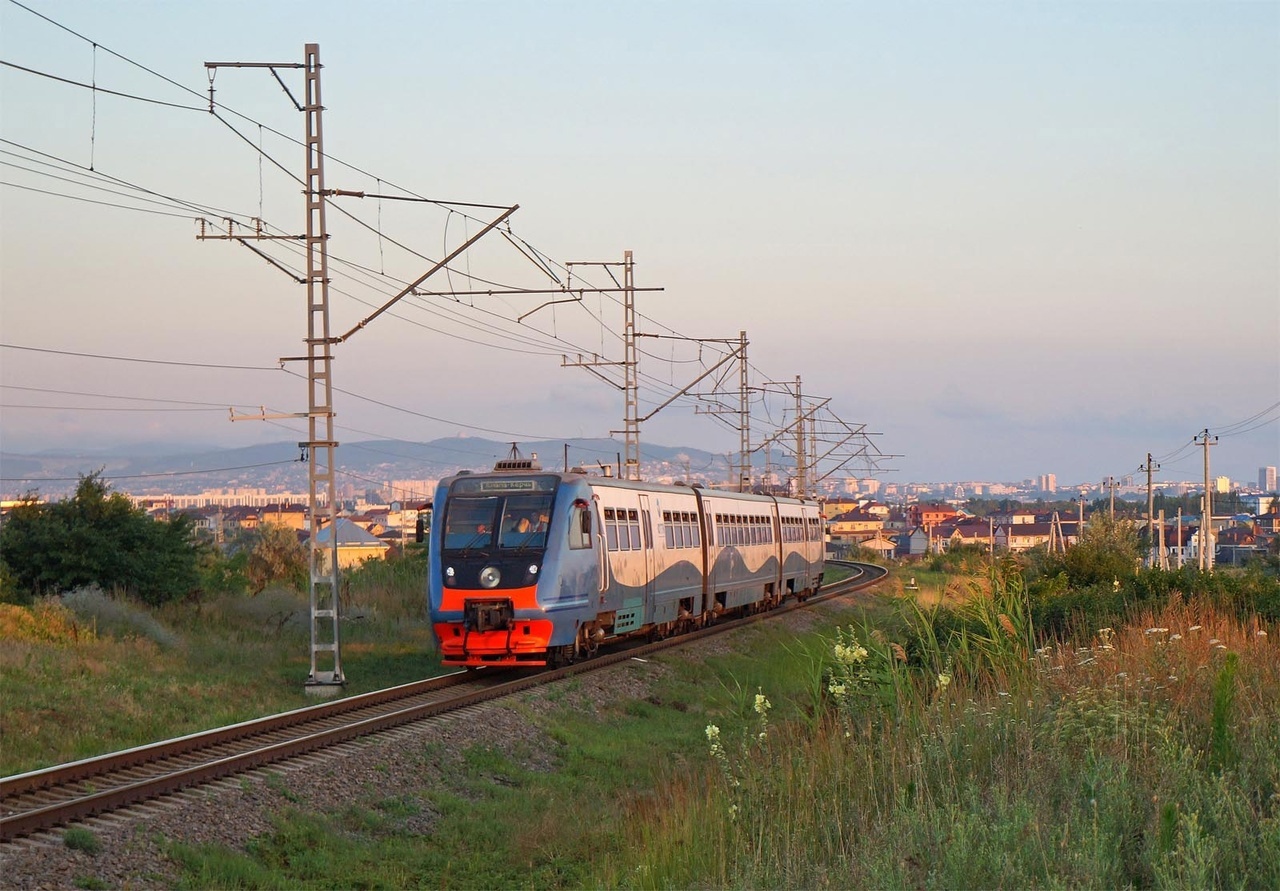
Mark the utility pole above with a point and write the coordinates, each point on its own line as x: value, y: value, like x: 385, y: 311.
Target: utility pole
x: 630, y: 386
x: 629, y: 361
x: 325, y: 674
x: 1080, y: 523
x: 1111, y: 484
x: 1206, y: 521
x: 1150, y: 467
x: 744, y: 415
x: 802, y: 463
x: 1164, y: 554
x: 1178, y: 530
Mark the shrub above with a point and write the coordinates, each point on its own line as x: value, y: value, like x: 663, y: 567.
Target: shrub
x: 96, y: 537
x: 45, y: 621
x: 116, y: 617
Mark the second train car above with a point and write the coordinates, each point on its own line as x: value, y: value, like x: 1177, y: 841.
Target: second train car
x: 533, y: 567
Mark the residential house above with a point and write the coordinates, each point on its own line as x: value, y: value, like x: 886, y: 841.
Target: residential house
x: 294, y: 516
x: 854, y: 526
x: 1015, y: 517
x: 1018, y: 537
x: 355, y: 545
x: 1236, y: 545
x: 883, y: 547
x: 929, y: 515
x: 834, y: 507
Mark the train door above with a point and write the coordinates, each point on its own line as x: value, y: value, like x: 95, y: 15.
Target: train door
x: 650, y: 556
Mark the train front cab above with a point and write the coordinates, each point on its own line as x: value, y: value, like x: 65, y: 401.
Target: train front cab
x: 512, y: 566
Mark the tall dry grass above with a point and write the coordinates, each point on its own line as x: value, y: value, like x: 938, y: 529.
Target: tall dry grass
x: 1146, y: 755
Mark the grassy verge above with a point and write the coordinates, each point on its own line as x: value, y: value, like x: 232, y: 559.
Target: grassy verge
x: 95, y: 674
x: 550, y: 812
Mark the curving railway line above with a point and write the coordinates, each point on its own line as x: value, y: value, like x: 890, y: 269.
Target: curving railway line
x: 44, y: 799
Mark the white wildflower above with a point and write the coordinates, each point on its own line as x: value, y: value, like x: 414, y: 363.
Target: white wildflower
x: 1195, y: 627
x: 762, y: 705
x: 1175, y: 637
x: 713, y: 733
x: 943, y: 681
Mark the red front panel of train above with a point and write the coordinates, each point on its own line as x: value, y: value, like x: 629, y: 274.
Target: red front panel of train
x: 490, y: 633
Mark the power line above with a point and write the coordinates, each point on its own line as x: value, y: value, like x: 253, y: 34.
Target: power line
x: 140, y: 476
x: 3, y: 386
x: 159, y: 213
x: 104, y: 408
x: 14, y: 346
x: 98, y: 89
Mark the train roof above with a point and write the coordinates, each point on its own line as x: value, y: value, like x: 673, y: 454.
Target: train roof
x: 633, y: 485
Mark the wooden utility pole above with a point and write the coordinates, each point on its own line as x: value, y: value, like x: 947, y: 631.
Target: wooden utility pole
x: 1164, y: 553
x: 1111, y: 484
x: 1178, y: 533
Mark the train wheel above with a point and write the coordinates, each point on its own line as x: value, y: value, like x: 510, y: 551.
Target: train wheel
x: 587, y: 645
x: 559, y: 657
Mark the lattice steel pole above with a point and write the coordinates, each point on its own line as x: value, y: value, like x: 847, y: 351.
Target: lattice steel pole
x: 631, y: 424
x: 744, y: 415
x: 325, y: 634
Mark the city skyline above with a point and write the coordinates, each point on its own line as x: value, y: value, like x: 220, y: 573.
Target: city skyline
x: 1011, y: 240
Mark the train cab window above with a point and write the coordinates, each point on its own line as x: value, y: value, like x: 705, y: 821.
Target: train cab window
x: 580, y: 526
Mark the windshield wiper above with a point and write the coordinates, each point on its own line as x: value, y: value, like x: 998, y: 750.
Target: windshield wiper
x: 524, y: 542
x: 475, y: 540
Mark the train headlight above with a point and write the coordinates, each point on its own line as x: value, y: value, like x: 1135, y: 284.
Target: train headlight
x: 449, y: 579
x: 448, y: 570
x: 490, y: 577
x: 533, y: 569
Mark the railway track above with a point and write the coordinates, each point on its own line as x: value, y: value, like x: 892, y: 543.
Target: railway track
x: 44, y: 799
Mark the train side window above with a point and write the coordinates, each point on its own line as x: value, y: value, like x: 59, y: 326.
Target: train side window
x: 633, y: 530
x: 610, y: 529
x: 646, y: 529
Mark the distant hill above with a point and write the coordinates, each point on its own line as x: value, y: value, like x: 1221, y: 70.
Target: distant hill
x: 367, y: 462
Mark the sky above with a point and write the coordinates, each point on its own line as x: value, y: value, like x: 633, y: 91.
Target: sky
x: 1008, y: 238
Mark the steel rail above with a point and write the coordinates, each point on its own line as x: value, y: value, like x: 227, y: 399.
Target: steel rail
x: 30, y: 819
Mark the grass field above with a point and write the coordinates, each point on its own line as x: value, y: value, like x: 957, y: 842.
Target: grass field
x: 869, y: 751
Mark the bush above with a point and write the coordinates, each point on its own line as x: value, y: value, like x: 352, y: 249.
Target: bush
x: 96, y: 537
x: 116, y: 617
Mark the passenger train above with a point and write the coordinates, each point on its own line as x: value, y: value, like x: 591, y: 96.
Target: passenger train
x: 531, y: 567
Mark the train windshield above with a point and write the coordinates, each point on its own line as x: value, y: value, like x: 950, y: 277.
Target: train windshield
x: 509, y: 514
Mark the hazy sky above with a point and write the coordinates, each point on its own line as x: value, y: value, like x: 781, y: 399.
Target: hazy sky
x: 1011, y: 238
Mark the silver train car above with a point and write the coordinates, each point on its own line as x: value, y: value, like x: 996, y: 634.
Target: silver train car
x: 531, y: 567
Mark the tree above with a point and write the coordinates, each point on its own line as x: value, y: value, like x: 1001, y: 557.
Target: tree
x: 96, y: 537
x: 277, y: 555
x: 1108, y: 551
